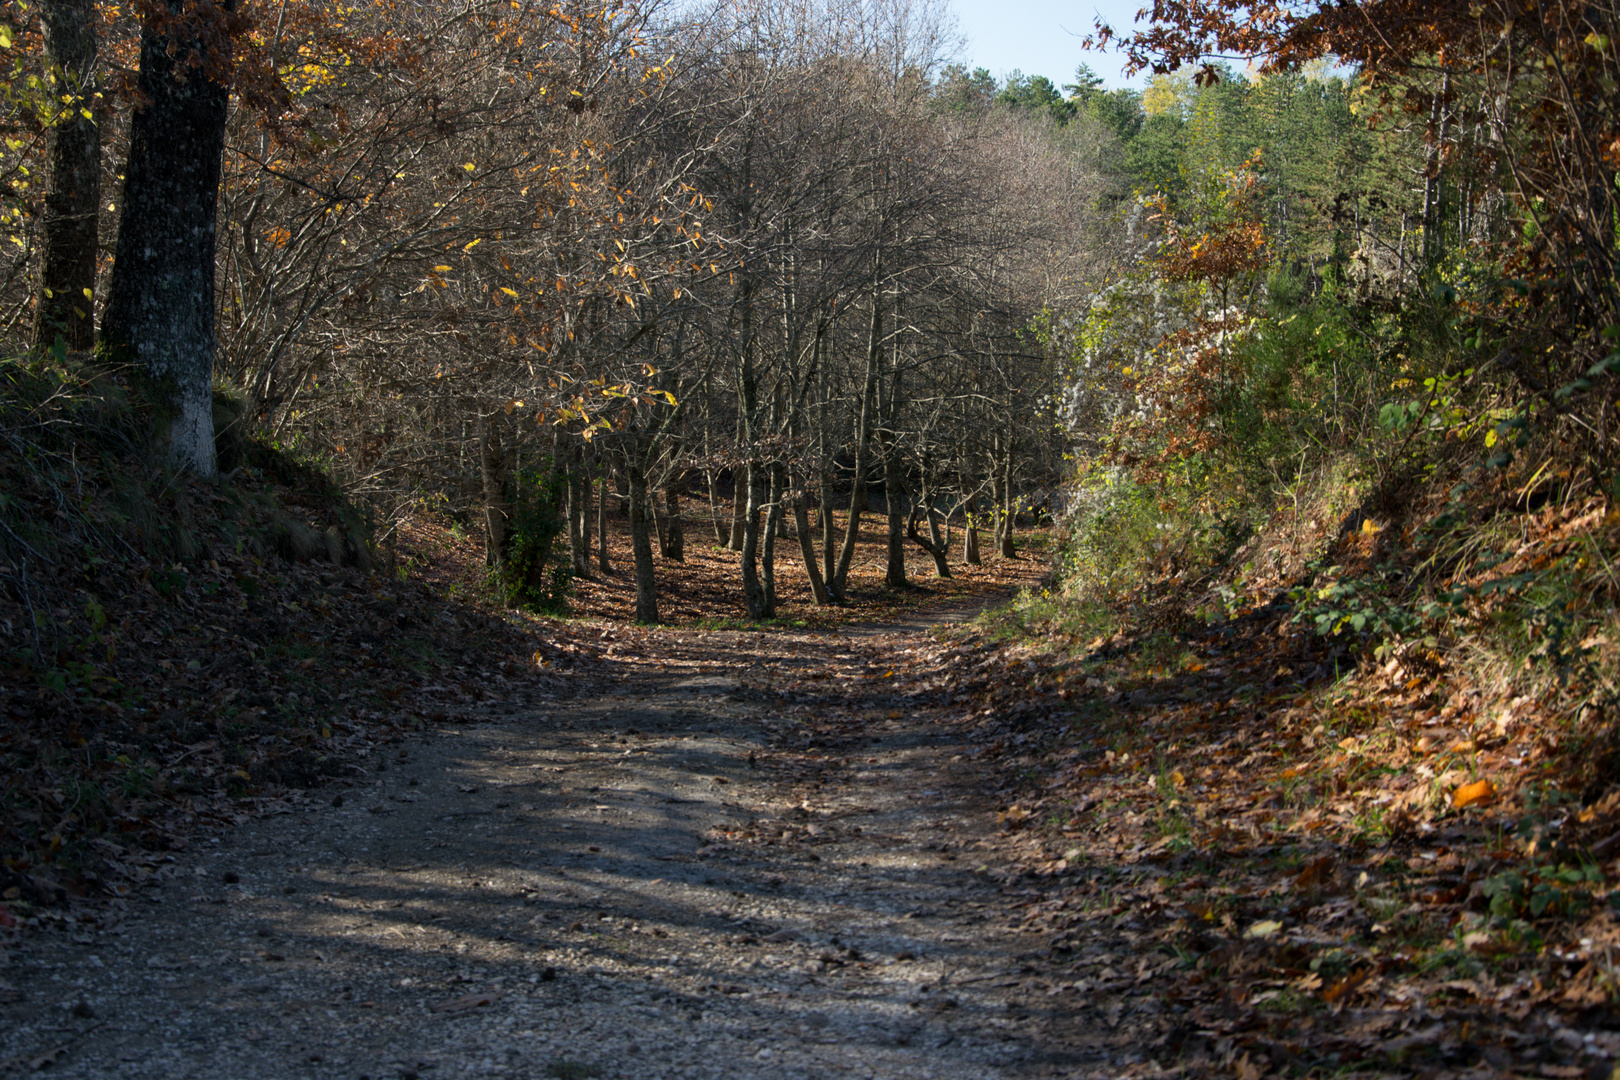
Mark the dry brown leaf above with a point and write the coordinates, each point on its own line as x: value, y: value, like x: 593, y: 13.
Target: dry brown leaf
x: 1013, y: 816
x: 1344, y: 986
x: 1315, y: 874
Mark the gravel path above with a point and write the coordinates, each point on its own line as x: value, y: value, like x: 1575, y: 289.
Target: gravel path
x: 637, y: 882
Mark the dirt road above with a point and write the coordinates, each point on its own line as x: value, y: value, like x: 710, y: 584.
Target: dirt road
x: 732, y: 855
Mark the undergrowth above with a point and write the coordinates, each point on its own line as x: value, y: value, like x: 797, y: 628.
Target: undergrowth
x: 1368, y: 625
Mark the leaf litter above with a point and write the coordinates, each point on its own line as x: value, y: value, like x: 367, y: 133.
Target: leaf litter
x: 1243, y: 849
x: 1320, y: 864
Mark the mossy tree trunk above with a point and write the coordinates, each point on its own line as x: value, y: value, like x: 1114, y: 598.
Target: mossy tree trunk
x: 65, y: 303
x: 160, y: 300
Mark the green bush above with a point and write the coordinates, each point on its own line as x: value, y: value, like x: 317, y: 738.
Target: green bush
x: 529, y: 577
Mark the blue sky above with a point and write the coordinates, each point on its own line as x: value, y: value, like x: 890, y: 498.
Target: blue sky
x: 1042, y: 37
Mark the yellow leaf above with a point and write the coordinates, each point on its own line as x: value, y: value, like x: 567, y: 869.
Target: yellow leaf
x: 442, y: 269
x: 1369, y: 526
x: 469, y: 166
x: 1479, y: 791
x: 475, y: 243
x: 509, y: 292
x: 1263, y: 929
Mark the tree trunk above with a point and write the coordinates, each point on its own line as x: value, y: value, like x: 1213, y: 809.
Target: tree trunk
x: 970, y: 535
x: 807, y: 546
x: 160, y: 301
x: 836, y: 583
x: 641, y: 544
x: 829, y: 536
x: 582, y: 567
x: 773, y: 525
x: 673, y: 537
x: 753, y: 589
x: 1009, y: 508
x: 936, y: 545
x: 1433, y: 169
x: 994, y: 484
x: 714, y: 511
x: 894, y: 503
x: 497, y: 511
x: 658, y: 524
x: 578, y: 509
x: 741, y: 499
x: 603, y: 567
x: 65, y: 301
x: 939, y: 546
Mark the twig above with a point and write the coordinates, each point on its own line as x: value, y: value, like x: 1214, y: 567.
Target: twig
x: 26, y: 545
x: 33, y: 618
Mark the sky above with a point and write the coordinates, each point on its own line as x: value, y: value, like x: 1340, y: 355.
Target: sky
x: 1042, y: 37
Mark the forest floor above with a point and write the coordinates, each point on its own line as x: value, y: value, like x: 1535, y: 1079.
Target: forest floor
x: 703, y: 853
x: 911, y: 845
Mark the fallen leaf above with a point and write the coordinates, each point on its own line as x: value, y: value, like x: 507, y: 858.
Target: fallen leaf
x: 1314, y: 874
x: 1263, y: 929
x: 1013, y: 816
x: 1467, y: 795
x: 1344, y: 986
